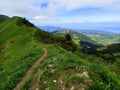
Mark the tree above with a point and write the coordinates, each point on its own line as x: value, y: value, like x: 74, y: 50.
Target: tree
x: 68, y: 37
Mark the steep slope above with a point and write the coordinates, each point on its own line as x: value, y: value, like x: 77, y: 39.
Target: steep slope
x: 21, y: 45
x: 18, y: 51
x: 110, y: 52
x: 113, y: 48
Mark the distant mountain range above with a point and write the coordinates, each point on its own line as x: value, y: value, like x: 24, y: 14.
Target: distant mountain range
x: 100, y: 36
x: 3, y: 18
x: 49, y: 28
x: 102, y: 26
x: 79, y: 28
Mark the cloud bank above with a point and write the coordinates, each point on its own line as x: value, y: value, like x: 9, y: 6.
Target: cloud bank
x: 44, y: 9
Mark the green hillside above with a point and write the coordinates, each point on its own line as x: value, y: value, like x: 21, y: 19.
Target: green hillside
x: 61, y: 69
x: 110, y: 52
x: 85, y: 44
x: 76, y: 36
x: 64, y: 67
x: 105, y: 39
x: 18, y: 51
x: 20, y: 46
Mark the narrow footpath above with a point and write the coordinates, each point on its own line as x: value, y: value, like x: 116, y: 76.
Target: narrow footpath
x: 29, y: 72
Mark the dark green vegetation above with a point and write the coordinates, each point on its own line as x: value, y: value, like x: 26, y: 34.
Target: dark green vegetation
x: 65, y: 66
x: 109, y: 53
x: 88, y: 47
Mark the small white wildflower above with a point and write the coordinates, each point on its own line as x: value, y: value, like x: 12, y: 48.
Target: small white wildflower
x: 54, y: 81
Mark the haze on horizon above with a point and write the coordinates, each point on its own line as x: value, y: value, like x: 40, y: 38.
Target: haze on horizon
x: 53, y: 12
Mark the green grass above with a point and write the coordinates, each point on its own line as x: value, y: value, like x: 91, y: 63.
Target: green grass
x: 74, y: 78
x: 69, y: 66
x: 26, y: 84
x: 19, y: 49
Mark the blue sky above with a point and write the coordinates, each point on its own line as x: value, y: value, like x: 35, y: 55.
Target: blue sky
x: 49, y: 12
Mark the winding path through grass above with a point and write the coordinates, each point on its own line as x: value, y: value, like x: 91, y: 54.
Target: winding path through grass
x: 29, y: 72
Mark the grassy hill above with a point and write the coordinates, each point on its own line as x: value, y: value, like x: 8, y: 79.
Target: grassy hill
x: 18, y: 51
x: 76, y: 36
x: 84, y: 43
x: 110, y: 52
x: 21, y: 45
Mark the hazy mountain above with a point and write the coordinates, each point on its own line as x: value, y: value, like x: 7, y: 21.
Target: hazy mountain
x: 3, y: 18
x: 49, y: 28
x: 97, y: 26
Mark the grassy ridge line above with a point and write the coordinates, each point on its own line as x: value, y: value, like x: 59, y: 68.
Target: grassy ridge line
x: 17, y: 51
x: 29, y: 72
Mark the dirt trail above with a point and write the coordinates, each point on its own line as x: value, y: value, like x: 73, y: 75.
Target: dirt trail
x: 35, y: 83
x: 29, y: 72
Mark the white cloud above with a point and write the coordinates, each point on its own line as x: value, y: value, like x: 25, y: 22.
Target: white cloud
x: 15, y: 7
x: 75, y: 4
x: 41, y: 17
x: 27, y: 7
x: 32, y: 8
